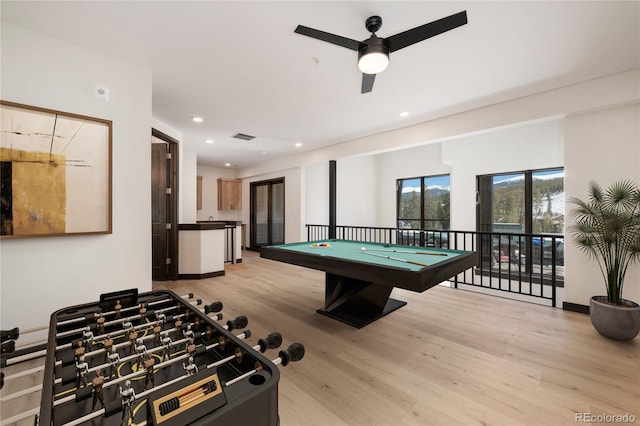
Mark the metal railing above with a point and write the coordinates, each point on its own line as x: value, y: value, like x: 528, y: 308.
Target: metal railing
x: 529, y: 267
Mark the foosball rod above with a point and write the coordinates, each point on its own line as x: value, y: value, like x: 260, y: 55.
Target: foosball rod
x: 15, y: 332
x: 10, y: 377
x: 144, y: 394
x: 295, y: 352
x: 239, y: 322
x: 21, y: 416
x: 40, y: 353
x: 210, y: 308
x: 60, y: 380
x: 245, y: 335
x: 127, y: 309
x: 121, y: 320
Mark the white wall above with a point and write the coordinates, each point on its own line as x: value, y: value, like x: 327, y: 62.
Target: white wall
x: 41, y: 275
x: 316, y: 194
x: 188, y: 187
x: 602, y: 146
x: 533, y: 146
x: 357, y: 191
x: 293, y: 202
x: 210, y: 177
x: 402, y: 164
x: 186, y: 164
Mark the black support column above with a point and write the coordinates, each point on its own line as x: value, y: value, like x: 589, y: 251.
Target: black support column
x: 332, y: 198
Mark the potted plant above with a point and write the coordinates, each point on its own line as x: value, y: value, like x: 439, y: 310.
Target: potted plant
x: 607, y: 228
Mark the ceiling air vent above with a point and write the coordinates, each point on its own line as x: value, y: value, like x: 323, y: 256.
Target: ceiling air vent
x: 243, y: 137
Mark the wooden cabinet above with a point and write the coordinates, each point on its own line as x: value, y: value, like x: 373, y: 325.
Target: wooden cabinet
x: 229, y: 194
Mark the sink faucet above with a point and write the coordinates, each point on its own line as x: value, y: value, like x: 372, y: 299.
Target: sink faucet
x: 210, y: 217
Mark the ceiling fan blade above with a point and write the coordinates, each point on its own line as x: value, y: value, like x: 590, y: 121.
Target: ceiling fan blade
x: 367, y: 82
x: 423, y: 32
x: 328, y: 37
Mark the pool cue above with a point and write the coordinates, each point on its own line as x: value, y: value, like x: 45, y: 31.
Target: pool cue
x: 409, y: 251
x: 395, y: 258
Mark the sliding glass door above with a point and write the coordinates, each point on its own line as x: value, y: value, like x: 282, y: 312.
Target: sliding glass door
x: 267, y: 213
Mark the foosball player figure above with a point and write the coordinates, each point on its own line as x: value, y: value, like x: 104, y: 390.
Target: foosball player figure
x: 178, y: 325
x: 167, y: 343
x: 190, y: 368
x: 87, y: 336
x: 117, y: 308
x: 98, y: 394
x: 100, y: 322
x: 143, y: 313
x: 79, y: 352
x: 114, y: 359
x: 133, y: 337
x: 161, y: 317
x: 196, y: 323
x: 187, y: 314
x: 141, y: 350
x: 107, y: 344
x: 188, y: 332
x: 156, y: 333
x: 148, y: 365
x: 128, y: 328
x: 82, y: 368
x: 128, y: 395
x: 191, y: 347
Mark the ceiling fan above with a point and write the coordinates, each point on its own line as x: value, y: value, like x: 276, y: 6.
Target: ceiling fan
x: 373, y: 53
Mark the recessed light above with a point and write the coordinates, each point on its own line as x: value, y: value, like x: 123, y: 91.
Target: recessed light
x: 227, y: 164
x: 298, y: 144
x: 197, y: 119
x: 404, y: 114
x: 209, y: 141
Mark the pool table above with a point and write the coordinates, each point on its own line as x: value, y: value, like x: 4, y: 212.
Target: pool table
x: 360, y: 276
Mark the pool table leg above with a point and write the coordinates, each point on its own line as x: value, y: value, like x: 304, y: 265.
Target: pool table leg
x: 356, y: 302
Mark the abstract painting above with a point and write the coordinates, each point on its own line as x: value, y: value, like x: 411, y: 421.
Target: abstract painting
x: 55, y: 173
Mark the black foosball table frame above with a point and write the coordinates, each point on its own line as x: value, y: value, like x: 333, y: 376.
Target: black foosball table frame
x: 250, y: 399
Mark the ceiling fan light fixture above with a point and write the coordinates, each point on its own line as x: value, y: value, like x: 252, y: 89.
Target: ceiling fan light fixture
x: 373, y: 62
x: 373, y: 58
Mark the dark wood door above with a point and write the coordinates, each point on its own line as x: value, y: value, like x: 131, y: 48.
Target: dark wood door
x: 267, y: 213
x: 160, y: 267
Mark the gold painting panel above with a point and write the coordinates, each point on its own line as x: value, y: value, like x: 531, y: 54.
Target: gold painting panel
x: 55, y: 175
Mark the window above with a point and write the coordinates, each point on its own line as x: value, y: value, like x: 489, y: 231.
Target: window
x: 423, y: 204
x: 521, y: 220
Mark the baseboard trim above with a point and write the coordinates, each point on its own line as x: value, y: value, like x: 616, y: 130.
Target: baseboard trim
x: 575, y: 307
x: 200, y: 276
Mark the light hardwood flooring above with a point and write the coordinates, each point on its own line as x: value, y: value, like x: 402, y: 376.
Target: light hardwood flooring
x: 449, y: 357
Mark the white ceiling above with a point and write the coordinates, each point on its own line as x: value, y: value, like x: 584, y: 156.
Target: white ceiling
x: 241, y: 67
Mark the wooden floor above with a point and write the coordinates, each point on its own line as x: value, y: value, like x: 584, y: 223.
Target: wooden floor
x: 450, y: 357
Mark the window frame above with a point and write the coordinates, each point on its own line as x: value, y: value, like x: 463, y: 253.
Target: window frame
x: 422, y: 220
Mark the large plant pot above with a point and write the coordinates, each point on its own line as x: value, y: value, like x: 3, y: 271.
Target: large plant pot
x: 620, y: 322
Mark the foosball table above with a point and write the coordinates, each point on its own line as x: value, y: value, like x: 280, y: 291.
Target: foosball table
x: 157, y: 358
